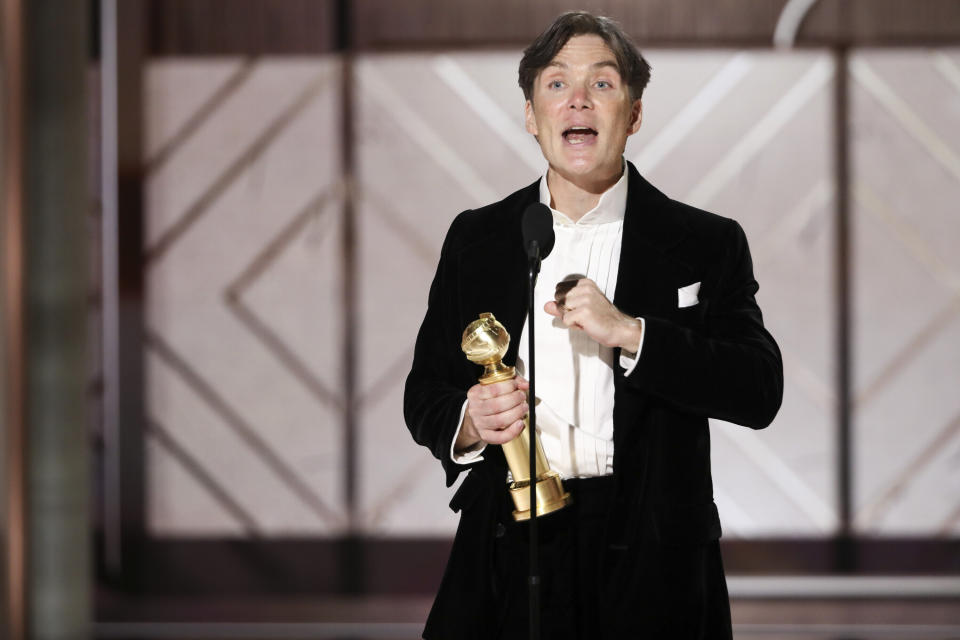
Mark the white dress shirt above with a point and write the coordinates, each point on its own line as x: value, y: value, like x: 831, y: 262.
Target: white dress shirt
x: 574, y: 372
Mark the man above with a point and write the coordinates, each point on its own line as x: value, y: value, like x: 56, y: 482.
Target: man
x: 648, y: 327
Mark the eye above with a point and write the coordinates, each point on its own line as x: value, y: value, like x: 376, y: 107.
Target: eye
x: 556, y: 84
x: 603, y: 84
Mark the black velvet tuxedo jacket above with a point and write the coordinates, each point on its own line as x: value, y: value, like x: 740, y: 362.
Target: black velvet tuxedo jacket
x: 710, y: 360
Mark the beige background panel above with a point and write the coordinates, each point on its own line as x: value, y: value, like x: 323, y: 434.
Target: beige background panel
x: 907, y: 281
x: 272, y: 95
x: 198, y: 82
x: 244, y: 302
x: 245, y: 292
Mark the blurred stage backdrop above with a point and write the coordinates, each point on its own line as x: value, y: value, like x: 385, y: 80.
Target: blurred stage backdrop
x: 246, y: 322
x: 289, y: 246
x: 290, y: 169
x: 258, y: 359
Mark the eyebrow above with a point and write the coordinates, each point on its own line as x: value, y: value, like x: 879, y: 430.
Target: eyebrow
x: 596, y: 65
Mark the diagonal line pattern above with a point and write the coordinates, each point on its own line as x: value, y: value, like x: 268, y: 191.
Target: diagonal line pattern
x: 907, y: 353
x: 793, y: 223
x: 396, y: 370
x: 950, y: 522
x: 202, y: 115
x: 284, y: 354
x: 267, y: 255
x: 874, y: 510
x: 234, y: 300
x: 687, y: 119
x: 756, y: 138
x: 399, y: 488
x: 912, y: 123
x: 926, y: 257
x: 424, y: 136
x: 382, y: 210
x: 808, y: 381
x: 736, y: 520
x: 769, y: 462
x: 202, y: 204
x: 947, y: 68
x: 399, y: 367
x: 197, y: 471
x: 908, y: 236
x: 245, y: 431
x: 496, y: 119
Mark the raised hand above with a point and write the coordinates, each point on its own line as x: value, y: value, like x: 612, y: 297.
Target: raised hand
x: 581, y: 305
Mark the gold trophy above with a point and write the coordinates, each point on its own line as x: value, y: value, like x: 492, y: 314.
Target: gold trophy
x: 485, y: 342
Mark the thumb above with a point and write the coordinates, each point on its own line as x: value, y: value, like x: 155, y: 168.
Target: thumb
x: 552, y: 308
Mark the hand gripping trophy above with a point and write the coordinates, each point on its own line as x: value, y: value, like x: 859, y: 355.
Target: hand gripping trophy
x: 485, y: 342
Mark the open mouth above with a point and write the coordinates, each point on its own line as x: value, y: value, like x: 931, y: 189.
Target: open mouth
x: 579, y: 135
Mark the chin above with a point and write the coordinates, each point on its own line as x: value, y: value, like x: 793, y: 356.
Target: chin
x: 580, y: 165
x: 585, y: 168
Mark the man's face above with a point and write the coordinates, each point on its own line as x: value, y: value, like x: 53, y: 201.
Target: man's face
x: 581, y: 112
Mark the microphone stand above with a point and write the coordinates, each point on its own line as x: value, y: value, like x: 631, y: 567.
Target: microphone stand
x: 534, y: 577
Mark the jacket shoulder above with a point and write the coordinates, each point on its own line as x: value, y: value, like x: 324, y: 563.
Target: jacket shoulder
x: 491, y: 219
x: 702, y: 222
x: 496, y: 211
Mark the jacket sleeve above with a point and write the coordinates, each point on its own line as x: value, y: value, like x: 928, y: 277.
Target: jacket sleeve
x: 432, y: 397
x: 732, y: 368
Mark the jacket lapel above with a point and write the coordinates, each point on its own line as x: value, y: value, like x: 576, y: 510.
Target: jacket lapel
x: 494, y: 270
x: 646, y: 286
x: 647, y: 265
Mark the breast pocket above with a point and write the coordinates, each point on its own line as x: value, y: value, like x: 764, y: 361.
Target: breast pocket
x: 692, y: 316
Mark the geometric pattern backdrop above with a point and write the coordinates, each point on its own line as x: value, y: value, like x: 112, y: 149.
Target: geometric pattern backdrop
x: 244, y: 311
x: 907, y: 291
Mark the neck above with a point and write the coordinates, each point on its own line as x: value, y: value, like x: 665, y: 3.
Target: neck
x: 575, y: 197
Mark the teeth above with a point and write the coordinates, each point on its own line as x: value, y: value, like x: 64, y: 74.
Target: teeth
x: 577, y: 135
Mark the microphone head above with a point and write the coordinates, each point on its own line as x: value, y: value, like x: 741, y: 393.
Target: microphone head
x: 537, y: 225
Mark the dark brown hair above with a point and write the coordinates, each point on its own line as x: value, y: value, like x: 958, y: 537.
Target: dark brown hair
x: 634, y: 70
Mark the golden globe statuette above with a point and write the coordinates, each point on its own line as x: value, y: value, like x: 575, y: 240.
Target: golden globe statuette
x: 485, y: 342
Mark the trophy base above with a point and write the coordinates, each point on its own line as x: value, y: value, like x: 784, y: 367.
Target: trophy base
x: 550, y: 496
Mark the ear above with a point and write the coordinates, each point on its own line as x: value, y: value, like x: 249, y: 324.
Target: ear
x: 636, y: 116
x: 529, y: 119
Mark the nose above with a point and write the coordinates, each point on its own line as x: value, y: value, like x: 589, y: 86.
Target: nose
x: 580, y: 99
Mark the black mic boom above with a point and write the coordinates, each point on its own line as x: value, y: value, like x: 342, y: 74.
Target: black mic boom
x: 537, y: 228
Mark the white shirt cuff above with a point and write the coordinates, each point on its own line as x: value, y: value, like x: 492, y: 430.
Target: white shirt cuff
x: 470, y: 455
x: 628, y: 360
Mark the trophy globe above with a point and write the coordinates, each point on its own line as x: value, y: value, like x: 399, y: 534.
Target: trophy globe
x: 485, y: 341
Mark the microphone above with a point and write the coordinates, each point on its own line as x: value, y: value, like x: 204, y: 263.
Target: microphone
x: 538, y: 237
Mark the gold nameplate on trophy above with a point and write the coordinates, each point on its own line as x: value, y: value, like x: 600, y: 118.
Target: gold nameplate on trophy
x: 485, y: 341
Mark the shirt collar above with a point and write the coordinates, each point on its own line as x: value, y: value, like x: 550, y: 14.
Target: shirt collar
x: 610, y: 208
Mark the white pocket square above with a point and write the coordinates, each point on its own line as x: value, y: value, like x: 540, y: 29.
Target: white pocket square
x: 687, y: 296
